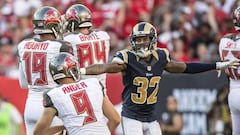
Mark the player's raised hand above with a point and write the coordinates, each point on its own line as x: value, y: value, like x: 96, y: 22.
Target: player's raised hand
x: 227, y: 64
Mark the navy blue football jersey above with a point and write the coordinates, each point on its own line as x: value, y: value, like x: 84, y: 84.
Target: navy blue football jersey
x: 141, y: 83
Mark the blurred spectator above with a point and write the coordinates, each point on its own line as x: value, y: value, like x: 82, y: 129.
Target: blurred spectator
x: 202, y: 53
x: 6, y: 56
x: 135, y: 12
x: 219, y: 120
x: 178, y: 53
x: 203, y: 35
x: 11, y: 122
x: 97, y: 13
x: 172, y: 121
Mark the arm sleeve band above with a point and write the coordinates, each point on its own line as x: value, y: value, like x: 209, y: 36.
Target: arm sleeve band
x: 199, y: 67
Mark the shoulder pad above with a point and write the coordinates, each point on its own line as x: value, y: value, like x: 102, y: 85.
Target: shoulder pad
x: 165, y: 51
x: 123, y: 55
x: 122, y: 51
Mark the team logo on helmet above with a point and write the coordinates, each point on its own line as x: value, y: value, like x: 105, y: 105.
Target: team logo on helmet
x: 69, y: 62
x: 64, y: 65
x: 71, y: 14
x: 52, y: 16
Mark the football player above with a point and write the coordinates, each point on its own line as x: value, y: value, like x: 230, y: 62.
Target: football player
x: 81, y: 104
x: 142, y: 68
x: 90, y: 46
x: 34, y: 55
x: 229, y: 49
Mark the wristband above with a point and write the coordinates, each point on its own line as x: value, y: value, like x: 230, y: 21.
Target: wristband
x: 83, y: 71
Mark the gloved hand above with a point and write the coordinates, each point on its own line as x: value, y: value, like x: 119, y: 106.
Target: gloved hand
x: 227, y: 64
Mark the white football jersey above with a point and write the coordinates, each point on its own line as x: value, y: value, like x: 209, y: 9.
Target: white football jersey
x: 229, y: 49
x: 35, y: 55
x: 90, y: 49
x: 79, y: 105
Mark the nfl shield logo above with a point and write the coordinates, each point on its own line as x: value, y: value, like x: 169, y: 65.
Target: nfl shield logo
x: 149, y: 68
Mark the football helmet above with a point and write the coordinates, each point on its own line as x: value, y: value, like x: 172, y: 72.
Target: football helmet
x: 64, y: 65
x: 76, y: 16
x: 143, y: 29
x: 236, y: 19
x: 47, y: 20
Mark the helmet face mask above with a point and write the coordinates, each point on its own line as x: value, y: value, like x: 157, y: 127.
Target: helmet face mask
x: 236, y: 19
x: 143, y: 39
x: 47, y: 20
x: 142, y: 45
x: 76, y: 16
x: 64, y: 65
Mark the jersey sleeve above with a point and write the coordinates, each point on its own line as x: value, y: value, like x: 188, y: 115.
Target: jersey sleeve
x: 47, y: 102
x: 168, y: 57
x: 120, y: 57
x: 166, y: 54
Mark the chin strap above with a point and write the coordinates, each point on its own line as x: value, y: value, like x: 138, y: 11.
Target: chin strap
x: 73, y: 75
x: 57, y: 35
x: 72, y: 27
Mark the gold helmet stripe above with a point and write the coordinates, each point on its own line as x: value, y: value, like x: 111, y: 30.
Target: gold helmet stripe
x: 142, y: 28
x: 147, y: 28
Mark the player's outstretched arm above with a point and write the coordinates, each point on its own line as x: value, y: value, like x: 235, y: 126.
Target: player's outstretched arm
x: 43, y: 125
x: 111, y: 114
x: 96, y: 69
x: 181, y: 67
